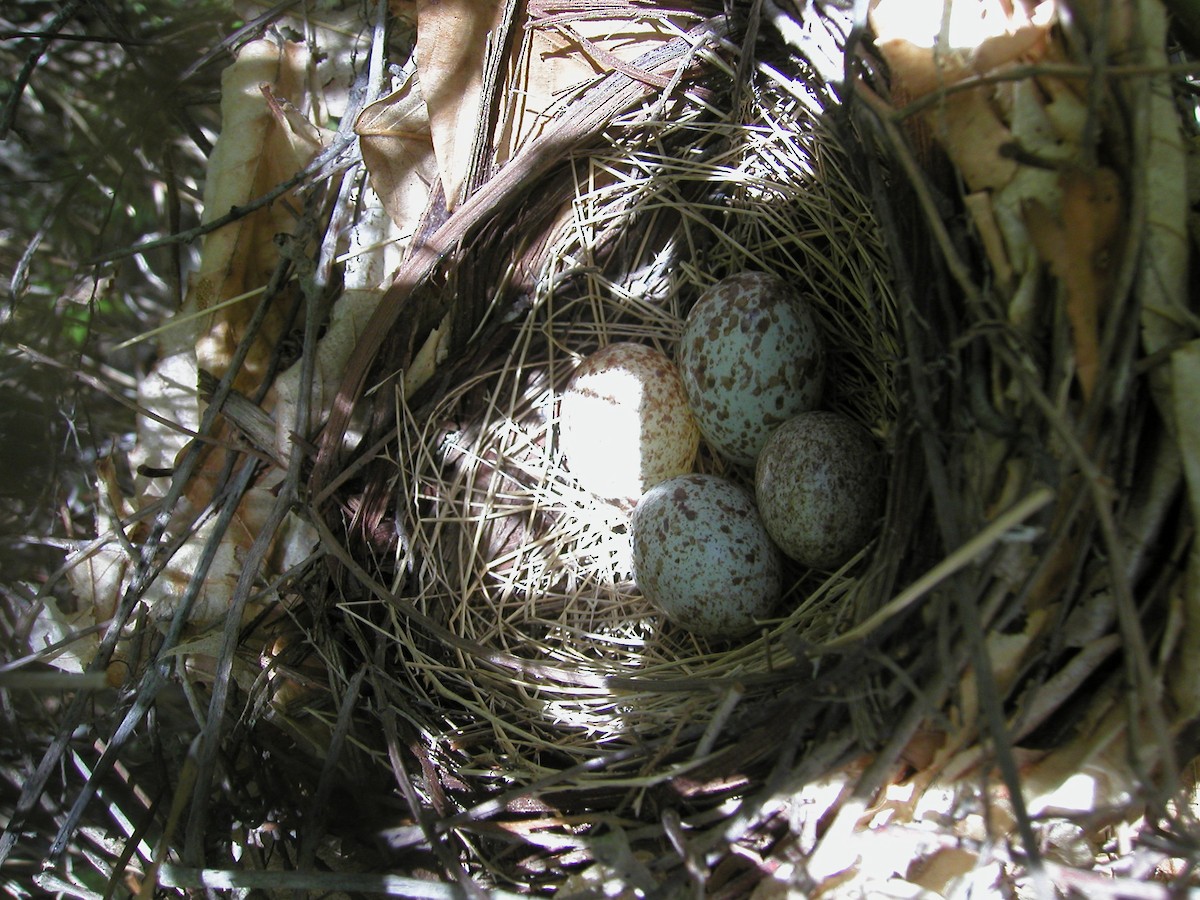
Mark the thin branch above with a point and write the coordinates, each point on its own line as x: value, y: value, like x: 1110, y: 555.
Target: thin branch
x: 324, y: 159
x: 8, y: 116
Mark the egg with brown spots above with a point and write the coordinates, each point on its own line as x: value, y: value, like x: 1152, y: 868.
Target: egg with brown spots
x: 820, y: 488
x: 624, y: 422
x: 702, y: 556
x: 751, y: 358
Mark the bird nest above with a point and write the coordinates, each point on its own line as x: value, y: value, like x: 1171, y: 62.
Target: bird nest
x: 998, y: 619
x: 549, y: 651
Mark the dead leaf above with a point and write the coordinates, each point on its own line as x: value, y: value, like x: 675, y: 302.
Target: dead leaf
x: 397, y: 148
x: 562, y: 51
x: 265, y: 139
x: 1078, y: 246
x: 262, y: 144
x: 976, y: 138
x: 931, y: 44
x: 452, y: 42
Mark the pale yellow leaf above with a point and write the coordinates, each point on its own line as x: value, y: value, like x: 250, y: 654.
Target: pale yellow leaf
x: 397, y: 148
x: 263, y: 143
x: 452, y: 40
x: 264, y: 140
x: 974, y: 136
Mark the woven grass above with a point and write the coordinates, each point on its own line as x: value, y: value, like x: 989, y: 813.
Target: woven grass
x: 958, y: 631
x: 557, y: 655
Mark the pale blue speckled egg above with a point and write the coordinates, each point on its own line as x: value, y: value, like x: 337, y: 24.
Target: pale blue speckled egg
x: 751, y: 357
x: 702, y: 556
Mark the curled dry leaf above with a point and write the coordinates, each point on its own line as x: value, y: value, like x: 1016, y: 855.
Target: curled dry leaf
x: 1020, y: 147
x: 432, y: 125
x: 562, y: 50
x: 452, y: 44
x: 397, y: 148
x: 264, y: 141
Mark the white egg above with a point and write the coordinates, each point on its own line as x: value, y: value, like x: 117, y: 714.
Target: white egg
x: 819, y: 486
x: 625, y: 424
x: 751, y: 357
x: 702, y: 556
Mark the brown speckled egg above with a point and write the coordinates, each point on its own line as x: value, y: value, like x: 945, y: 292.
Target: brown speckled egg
x: 751, y: 358
x: 819, y: 487
x: 702, y: 556
x: 624, y: 422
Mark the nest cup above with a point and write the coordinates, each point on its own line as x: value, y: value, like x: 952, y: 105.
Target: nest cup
x: 552, y: 654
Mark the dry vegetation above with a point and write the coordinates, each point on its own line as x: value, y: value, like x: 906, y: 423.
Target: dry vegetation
x: 365, y: 633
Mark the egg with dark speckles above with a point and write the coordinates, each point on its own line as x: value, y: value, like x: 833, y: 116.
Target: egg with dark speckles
x: 820, y: 488
x: 751, y: 357
x: 702, y: 556
x: 625, y: 423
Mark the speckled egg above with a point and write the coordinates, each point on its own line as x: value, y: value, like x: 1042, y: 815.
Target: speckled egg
x: 751, y: 358
x: 625, y: 423
x: 702, y: 556
x: 819, y: 487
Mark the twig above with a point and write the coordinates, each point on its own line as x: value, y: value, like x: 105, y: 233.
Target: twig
x: 314, y: 820
x: 98, y: 384
x: 948, y: 513
x: 8, y: 116
x: 960, y: 558
x: 255, y: 26
x: 243, y: 589
x: 158, y: 672
x: 318, y: 165
x: 144, y: 573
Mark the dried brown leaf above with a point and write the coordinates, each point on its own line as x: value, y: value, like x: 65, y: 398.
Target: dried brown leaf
x: 1078, y: 246
x: 397, y: 148
x: 452, y: 41
x: 263, y: 143
x: 558, y: 56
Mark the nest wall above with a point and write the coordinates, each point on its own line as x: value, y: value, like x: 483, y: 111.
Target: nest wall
x: 989, y: 598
